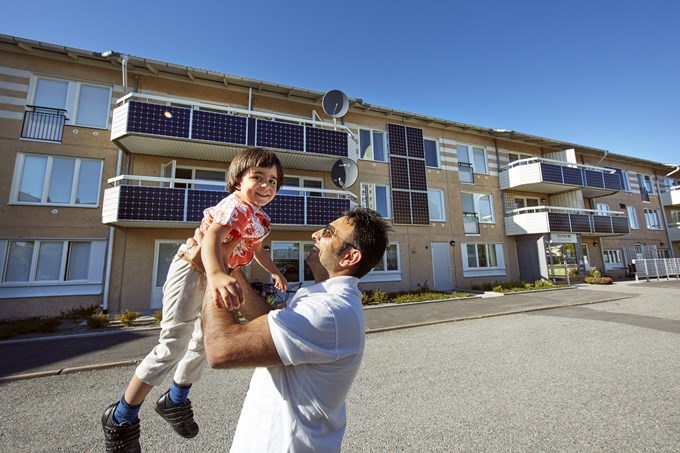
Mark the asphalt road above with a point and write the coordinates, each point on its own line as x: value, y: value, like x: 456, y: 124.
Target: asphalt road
x: 593, y: 378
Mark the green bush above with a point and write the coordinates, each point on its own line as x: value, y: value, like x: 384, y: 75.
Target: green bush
x: 97, y: 320
x: 127, y: 318
x: 380, y: 297
x: 158, y: 316
x: 599, y: 280
x: 12, y: 328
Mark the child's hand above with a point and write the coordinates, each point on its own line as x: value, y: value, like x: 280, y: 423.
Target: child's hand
x: 280, y: 282
x: 225, y: 291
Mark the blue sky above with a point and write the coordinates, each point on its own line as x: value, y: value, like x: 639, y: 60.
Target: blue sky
x: 598, y: 73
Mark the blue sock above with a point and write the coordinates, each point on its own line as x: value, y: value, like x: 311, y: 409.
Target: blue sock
x: 125, y: 412
x: 179, y: 393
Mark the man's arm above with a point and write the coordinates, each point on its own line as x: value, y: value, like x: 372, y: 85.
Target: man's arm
x: 230, y: 344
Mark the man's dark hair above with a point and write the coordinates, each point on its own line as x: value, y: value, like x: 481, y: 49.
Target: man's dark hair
x: 252, y: 157
x: 370, y: 236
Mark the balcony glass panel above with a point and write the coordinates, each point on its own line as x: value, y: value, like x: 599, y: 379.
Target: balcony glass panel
x: 465, y: 173
x: 470, y: 223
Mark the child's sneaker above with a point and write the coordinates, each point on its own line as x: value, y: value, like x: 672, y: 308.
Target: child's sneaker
x: 122, y: 438
x: 180, y: 416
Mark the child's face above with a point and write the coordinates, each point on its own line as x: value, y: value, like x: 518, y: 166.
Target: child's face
x: 258, y: 185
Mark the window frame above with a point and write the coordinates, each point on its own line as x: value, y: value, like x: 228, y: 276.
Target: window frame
x: 633, y: 218
x: 476, y: 196
x: 18, y: 176
x: 372, y: 133
x: 520, y: 156
x: 72, y: 101
x: 301, y: 185
x: 625, y: 177
x: 613, y: 259
x: 471, y: 157
x: 301, y: 259
x: 386, y: 275
x: 32, y: 287
x: 436, y: 151
x: 653, y: 219
x: 196, y: 185
x: 479, y: 271
x: 374, y: 207
x: 442, y: 204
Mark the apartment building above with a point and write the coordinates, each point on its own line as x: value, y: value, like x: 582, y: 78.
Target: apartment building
x: 110, y: 160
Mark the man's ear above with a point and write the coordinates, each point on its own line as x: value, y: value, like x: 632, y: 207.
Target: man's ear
x: 351, y: 258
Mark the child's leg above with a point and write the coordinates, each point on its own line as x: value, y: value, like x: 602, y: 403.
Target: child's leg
x: 190, y: 367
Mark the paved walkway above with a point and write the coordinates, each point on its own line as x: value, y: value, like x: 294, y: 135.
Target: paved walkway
x: 35, y: 357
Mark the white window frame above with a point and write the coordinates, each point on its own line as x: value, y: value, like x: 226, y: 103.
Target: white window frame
x: 613, y: 259
x: 47, y: 179
x: 497, y: 270
x: 648, y: 184
x: 674, y: 216
x: 371, y: 204
x: 525, y: 200
x: 518, y: 156
x: 471, y: 157
x: 73, y: 94
x: 301, y: 184
x: 91, y: 285
x: 602, y: 208
x: 372, y: 133
x: 653, y: 219
x: 197, y: 184
x: 436, y: 151
x: 632, y: 218
x: 392, y: 275
x: 625, y: 176
x: 440, y: 194
x: 301, y: 259
x: 476, y: 196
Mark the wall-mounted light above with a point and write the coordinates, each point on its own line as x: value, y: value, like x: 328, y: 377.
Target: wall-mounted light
x: 452, y: 243
x: 661, y: 244
x: 595, y: 243
x: 266, y: 248
x: 543, y: 200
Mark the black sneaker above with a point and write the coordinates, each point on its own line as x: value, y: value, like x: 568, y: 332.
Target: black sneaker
x: 180, y: 416
x: 120, y: 438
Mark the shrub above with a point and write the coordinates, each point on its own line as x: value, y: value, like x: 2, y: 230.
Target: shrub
x: 424, y: 288
x: 76, y: 314
x: 599, y: 280
x: 380, y: 297
x: 97, y: 320
x: 158, y: 316
x: 367, y: 298
x: 9, y: 329
x: 127, y: 318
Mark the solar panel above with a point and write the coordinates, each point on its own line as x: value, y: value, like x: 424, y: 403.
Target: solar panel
x: 158, y: 119
x: 218, y: 127
x: 396, y: 137
x: 399, y: 172
x: 276, y: 134
x: 326, y: 141
x: 401, y: 207
x: 198, y: 200
x: 151, y: 203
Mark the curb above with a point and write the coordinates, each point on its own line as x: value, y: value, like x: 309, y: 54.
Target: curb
x: 78, y: 369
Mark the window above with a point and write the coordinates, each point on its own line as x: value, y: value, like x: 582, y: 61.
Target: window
x: 290, y: 258
x: 431, y: 153
x: 612, y: 259
x: 85, y: 104
x: 301, y: 181
x: 652, y: 218
x: 632, y: 218
x: 602, y: 208
x: 435, y: 202
x: 526, y: 202
x: 200, y: 174
x: 625, y: 178
x: 390, y: 260
x: 376, y: 197
x: 481, y: 259
x: 480, y: 204
x: 56, y: 180
x: 372, y: 145
x: 518, y: 156
x: 675, y: 216
x: 474, y: 156
x: 50, y: 267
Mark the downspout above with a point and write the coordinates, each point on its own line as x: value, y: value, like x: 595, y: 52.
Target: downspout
x: 109, y: 251
x: 663, y: 212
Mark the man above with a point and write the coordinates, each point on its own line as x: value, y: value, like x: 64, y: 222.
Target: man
x: 308, y: 353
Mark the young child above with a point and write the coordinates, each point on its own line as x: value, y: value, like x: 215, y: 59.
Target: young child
x: 233, y: 233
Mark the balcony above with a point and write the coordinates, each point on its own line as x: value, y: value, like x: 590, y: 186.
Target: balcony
x: 152, y: 202
x: 671, y: 197
x: 470, y: 223
x: 157, y: 126
x: 552, y: 219
x: 43, y: 124
x: 551, y: 176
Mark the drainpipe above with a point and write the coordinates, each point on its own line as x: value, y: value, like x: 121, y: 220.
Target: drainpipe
x: 109, y: 251
x: 663, y: 212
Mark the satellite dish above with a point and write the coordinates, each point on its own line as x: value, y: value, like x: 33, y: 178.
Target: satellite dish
x: 335, y: 104
x: 344, y: 172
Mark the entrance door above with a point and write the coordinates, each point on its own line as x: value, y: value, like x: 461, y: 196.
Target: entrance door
x: 164, y: 252
x: 441, y: 265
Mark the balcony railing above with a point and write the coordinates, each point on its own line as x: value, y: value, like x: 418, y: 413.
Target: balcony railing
x: 43, y: 123
x: 146, y: 124
x: 546, y: 219
x: 553, y: 176
x: 671, y: 196
x: 674, y: 231
x: 145, y: 201
x: 466, y: 173
x: 470, y: 223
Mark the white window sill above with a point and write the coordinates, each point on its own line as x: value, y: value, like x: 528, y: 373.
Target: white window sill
x: 17, y: 292
x: 381, y: 277
x: 484, y: 272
